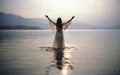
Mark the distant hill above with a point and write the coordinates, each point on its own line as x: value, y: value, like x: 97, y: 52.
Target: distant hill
x: 11, y: 21
x: 8, y: 21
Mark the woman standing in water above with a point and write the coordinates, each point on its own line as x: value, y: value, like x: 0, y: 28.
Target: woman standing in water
x: 59, y: 27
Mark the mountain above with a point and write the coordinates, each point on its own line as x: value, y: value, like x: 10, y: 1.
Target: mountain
x: 15, y: 21
x: 18, y: 21
x: 11, y: 21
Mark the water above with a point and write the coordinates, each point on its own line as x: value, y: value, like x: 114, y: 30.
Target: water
x: 87, y: 52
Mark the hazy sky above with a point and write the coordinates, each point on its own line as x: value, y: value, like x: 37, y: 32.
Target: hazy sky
x: 97, y: 12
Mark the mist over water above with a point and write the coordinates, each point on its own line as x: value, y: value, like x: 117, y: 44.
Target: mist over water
x: 87, y: 52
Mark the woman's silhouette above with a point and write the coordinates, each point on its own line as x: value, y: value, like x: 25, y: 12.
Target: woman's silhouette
x: 59, y: 27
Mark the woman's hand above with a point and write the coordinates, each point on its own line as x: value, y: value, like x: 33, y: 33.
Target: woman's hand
x: 46, y: 16
x: 73, y: 17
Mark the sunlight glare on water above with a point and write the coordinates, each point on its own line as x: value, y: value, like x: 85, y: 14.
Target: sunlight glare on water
x: 87, y: 52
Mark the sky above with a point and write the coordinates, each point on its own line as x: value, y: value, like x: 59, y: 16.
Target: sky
x: 96, y: 12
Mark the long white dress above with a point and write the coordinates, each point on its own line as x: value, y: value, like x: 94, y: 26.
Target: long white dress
x: 59, y: 37
x: 59, y: 40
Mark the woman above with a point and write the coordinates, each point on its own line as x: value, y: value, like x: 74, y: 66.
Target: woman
x: 59, y: 27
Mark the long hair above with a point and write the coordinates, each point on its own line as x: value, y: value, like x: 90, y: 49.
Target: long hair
x: 59, y: 23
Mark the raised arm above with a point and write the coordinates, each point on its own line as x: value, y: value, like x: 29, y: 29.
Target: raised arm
x: 49, y: 19
x: 69, y: 20
x: 65, y: 25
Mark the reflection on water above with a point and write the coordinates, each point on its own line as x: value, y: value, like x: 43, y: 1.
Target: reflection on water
x: 29, y: 52
x: 62, y: 59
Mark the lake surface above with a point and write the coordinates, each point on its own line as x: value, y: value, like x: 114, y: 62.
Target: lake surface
x: 87, y: 52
